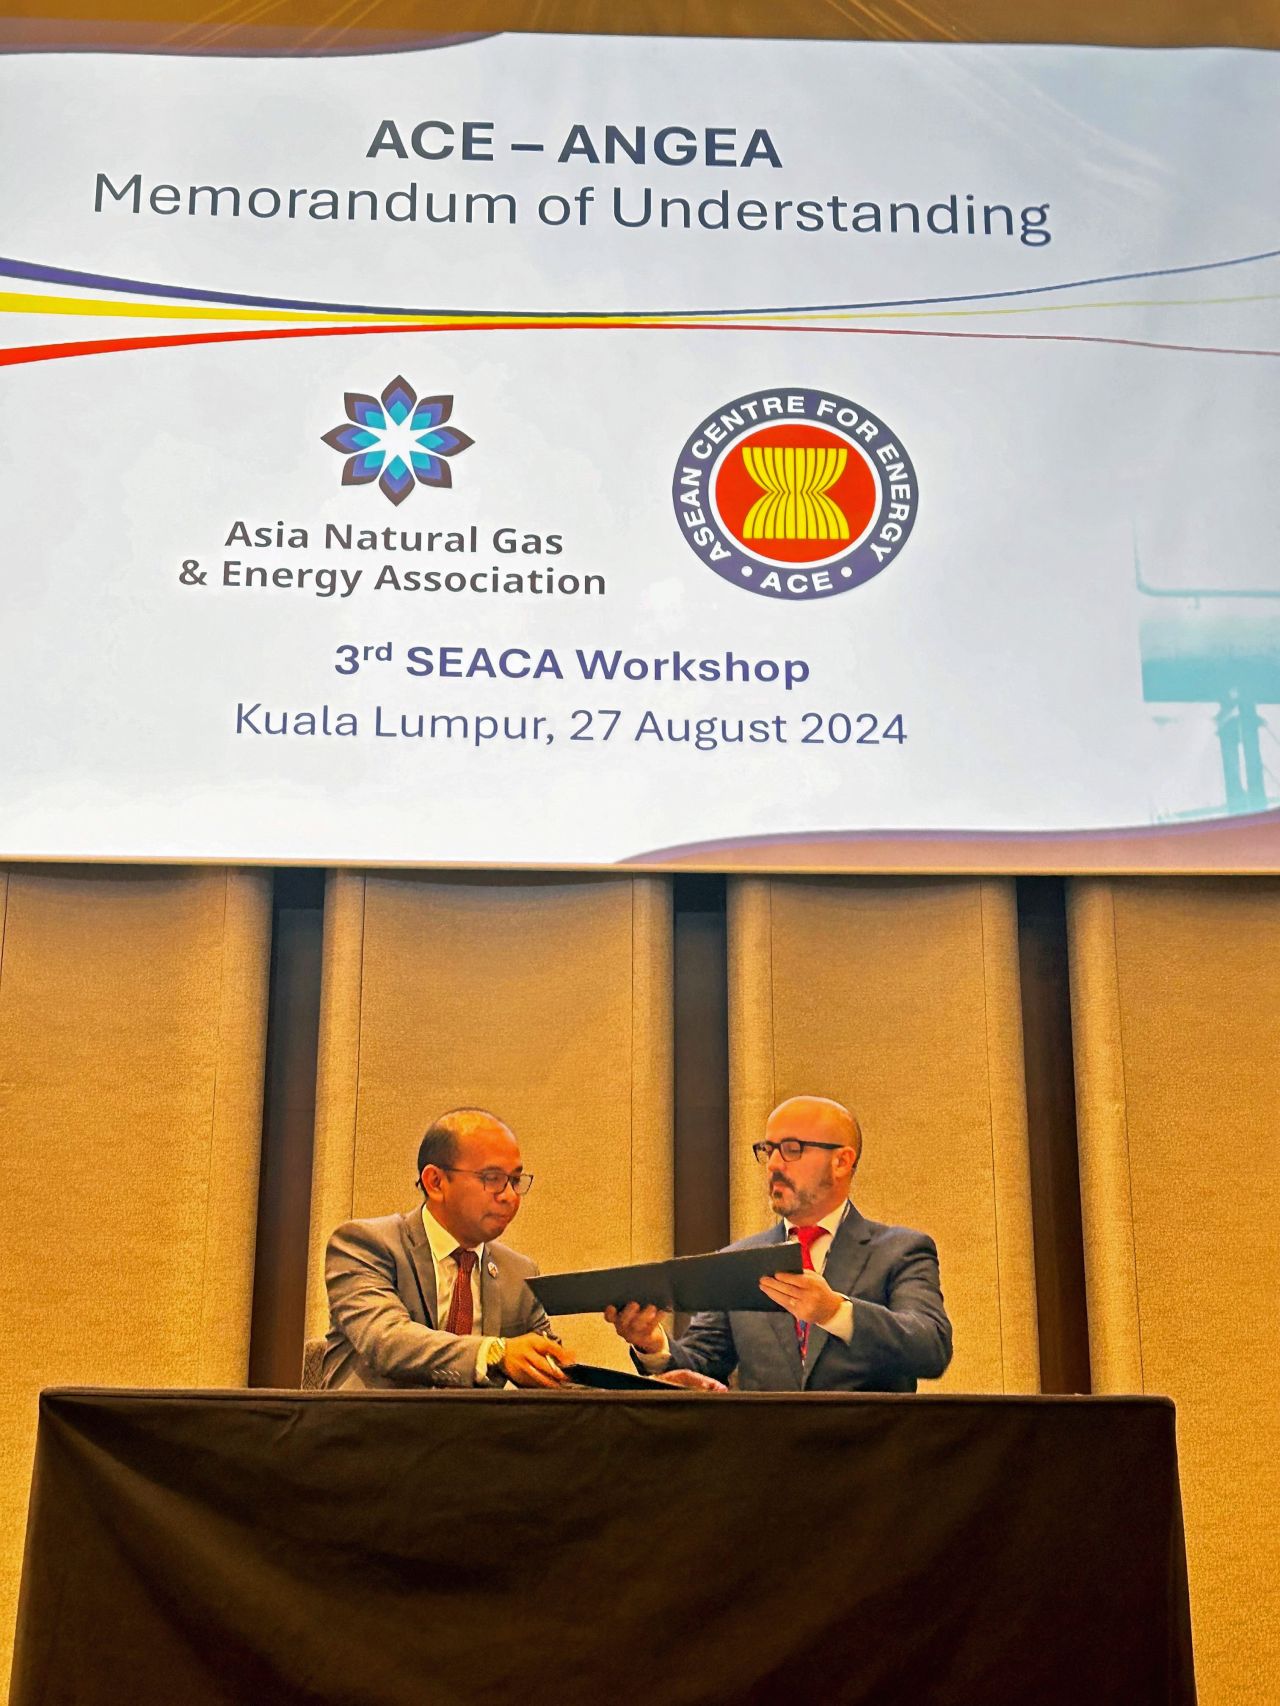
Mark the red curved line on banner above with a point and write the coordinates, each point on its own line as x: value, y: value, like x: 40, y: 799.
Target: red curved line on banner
x: 108, y: 346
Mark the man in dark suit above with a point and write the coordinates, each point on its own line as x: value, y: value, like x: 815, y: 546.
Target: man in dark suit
x: 431, y: 1297
x: 865, y: 1315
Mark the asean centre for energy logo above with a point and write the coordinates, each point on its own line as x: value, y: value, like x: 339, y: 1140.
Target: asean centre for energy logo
x: 795, y: 494
x: 398, y: 439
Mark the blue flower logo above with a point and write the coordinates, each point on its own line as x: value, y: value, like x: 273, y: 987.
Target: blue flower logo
x: 397, y: 440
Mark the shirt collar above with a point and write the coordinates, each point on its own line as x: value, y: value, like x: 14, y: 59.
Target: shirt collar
x: 831, y: 1222
x: 442, y: 1242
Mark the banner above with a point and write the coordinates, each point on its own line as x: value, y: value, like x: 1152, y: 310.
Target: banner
x: 569, y: 450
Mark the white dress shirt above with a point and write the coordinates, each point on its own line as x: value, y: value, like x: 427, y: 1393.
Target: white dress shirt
x: 442, y: 1245
x: 840, y: 1325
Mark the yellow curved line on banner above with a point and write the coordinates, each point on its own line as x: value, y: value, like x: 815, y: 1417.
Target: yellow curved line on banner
x: 20, y: 302
x: 1041, y: 308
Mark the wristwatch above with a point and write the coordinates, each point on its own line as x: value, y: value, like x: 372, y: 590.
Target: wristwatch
x: 494, y: 1357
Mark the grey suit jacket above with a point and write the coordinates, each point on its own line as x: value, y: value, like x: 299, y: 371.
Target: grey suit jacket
x: 901, y: 1333
x: 383, y: 1330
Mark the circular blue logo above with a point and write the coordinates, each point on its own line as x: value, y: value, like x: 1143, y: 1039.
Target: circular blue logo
x: 795, y: 494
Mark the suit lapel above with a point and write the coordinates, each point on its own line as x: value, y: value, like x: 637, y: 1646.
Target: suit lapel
x: 490, y: 1293
x: 415, y: 1238
x: 850, y: 1252
x: 783, y: 1325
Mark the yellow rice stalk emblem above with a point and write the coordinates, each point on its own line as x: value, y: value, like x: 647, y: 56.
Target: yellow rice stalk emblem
x: 795, y: 482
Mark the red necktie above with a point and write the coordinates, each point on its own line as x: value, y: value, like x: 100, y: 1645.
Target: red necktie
x: 461, y: 1307
x: 808, y: 1236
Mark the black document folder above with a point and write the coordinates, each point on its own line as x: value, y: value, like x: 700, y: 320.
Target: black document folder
x: 730, y: 1279
x: 614, y: 1379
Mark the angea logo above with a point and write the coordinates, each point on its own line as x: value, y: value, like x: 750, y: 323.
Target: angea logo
x: 795, y: 494
x: 397, y: 440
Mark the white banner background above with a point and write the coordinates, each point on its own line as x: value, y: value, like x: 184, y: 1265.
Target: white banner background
x: 1007, y: 633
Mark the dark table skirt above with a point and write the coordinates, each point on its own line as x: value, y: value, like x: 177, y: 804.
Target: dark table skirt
x: 621, y: 1550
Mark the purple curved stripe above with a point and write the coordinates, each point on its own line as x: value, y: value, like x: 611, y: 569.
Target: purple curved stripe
x: 1195, y: 834
x: 35, y: 274
x: 60, y: 275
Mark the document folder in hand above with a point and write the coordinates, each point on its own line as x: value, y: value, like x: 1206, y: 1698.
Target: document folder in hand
x: 613, y: 1379
x: 730, y: 1279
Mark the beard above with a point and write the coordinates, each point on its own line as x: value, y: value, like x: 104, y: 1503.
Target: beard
x: 793, y: 1203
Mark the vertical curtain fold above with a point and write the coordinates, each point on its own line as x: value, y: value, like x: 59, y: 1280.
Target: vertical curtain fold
x: 1175, y: 988
x: 132, y: 1033
x: 546, y: 999
x: 900, y: 997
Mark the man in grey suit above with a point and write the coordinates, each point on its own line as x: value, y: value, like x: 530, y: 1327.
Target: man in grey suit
x: 431, y: 1298
x: 865, y: 1315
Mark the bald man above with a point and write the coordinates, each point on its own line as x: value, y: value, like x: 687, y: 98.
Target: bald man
x: 866, y: 1313
x: 432, y: 1297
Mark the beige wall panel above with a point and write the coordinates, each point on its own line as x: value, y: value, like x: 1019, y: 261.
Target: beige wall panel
x: 901, y: 998
x: 545, y: 999
x: 1176, y: 1012
x: 132, y: 1025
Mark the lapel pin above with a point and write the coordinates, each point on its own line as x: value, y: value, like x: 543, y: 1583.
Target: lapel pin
x: 492, y: 1268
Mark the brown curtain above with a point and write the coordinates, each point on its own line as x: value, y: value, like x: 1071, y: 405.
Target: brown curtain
x: 546, y: 999
x: 1175, y: 989
x: 132, y: 1022
x: 900, y: 997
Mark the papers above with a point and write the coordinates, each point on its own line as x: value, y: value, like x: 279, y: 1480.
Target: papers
x: 729, y: 1279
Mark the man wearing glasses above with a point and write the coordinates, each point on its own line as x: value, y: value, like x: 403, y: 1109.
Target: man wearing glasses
x: 864, y: 1315
x: 431, y: 1298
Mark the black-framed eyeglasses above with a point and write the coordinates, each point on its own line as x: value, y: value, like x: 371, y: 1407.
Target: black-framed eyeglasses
x: 495, y: 1180
x: 790, y: 1148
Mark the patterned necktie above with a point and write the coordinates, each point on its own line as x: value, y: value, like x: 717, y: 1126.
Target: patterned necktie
x: 807, y: 1237
x: 461, y: 1308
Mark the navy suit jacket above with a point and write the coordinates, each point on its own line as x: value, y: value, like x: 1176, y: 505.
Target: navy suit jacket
x: 901, y: 1333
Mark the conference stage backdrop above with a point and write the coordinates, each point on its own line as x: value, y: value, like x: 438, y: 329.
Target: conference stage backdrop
x: 567, y: 450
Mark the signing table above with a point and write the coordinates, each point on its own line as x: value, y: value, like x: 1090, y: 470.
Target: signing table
x: 525, y: 1549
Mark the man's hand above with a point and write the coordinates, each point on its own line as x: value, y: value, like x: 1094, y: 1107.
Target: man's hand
x: 638, y: 1324
x: 691, y: 1381
x: 807, y: 1296
x: 535, y: 1360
